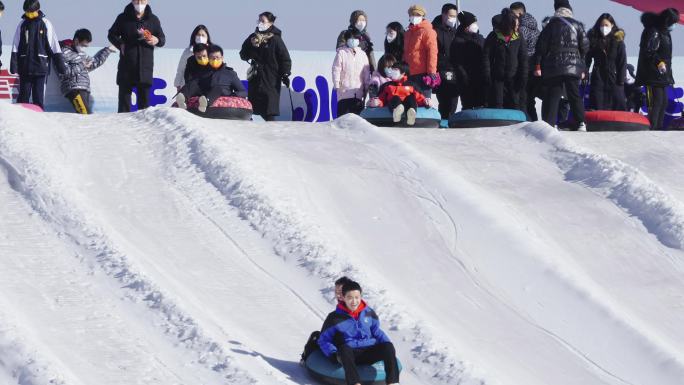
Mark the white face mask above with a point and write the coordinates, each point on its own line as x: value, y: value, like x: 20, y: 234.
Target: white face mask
x: 393, y: 73
x: 140, y: 8
x: 474, y: 28
x: 262, y: 27
x: 415, y: 20
x: 606, y: 30
x: 360, y: 25
x: 451, y: 21
x: 353, y: 43
x: 200, y: 40
x: 671, y: 28
x: 392, y: 36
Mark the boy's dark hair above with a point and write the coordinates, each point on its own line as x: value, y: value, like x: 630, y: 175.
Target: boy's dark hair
x: 2, y: 6
x: 195, y: 31
x: 351, y: 286
x: 214, y: 48
x: 506, y: 22
x: 83, y: 35
x: 448, y: 7
x: 269, y: 16
x: 517, y: 6
x: 199, y: 47
x: 402, y: 67
x: 31, y: 5
x: 349, y: 34
x: 342, y: 280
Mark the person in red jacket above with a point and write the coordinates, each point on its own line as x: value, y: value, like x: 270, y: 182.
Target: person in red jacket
x: 421, y: 50
x: 401, y: 94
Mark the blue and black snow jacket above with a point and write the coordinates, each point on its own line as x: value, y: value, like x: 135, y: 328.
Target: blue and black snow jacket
x: 341, y: 327
x: 35, y: 45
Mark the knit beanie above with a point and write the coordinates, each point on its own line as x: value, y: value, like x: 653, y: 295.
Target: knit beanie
x: 466, y: 18
x: 561, y: 4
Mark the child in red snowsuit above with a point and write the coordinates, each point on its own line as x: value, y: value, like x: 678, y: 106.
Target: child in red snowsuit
x: 401, y: 94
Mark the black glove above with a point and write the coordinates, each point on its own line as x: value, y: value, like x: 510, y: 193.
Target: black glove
x: 286, y: 80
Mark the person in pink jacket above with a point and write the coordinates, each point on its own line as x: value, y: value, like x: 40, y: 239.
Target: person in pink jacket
x: 421, y: 49
x: 351, y: 76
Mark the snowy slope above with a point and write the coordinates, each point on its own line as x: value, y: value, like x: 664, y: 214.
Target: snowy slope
x: 160, y: 248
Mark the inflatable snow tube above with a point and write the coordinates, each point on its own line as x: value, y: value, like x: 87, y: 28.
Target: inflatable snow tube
x: 486, y: 117
x: 320, y: 368
x: 382, y: 117
x: 30, y: 106
x: 225, y: 107
x: 616, y: 121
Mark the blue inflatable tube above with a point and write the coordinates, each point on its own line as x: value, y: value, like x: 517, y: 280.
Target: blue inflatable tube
x: 320, y: 368
x: 382, y: 117
x: 486, y: 117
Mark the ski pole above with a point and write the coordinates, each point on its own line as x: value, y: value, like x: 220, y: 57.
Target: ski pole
x: 291, y: 102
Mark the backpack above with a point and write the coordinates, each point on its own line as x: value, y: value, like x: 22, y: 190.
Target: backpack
x: 311, y: 345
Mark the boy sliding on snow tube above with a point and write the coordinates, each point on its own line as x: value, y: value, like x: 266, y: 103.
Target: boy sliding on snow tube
x: 219, y: 80
x: 401, y: 94
x: 361, y: 340
x: 312, y: 342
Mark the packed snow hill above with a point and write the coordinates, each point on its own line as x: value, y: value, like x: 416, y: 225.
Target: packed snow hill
x: 161, y: 248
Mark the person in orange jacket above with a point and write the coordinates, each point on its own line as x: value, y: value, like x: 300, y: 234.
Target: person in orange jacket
x: 421, y: 49
x: 401, y: 94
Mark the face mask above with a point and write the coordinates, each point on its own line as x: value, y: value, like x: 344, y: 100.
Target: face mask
x: 262, y: 27
x: 216, y: 63
x: 202, y: 61
x: 140, y: 8
x: 80, y: 48
x: 200, y: 40
x: 361, y: 25
x: 606, y: 30
x: 415, y: 20
x: 392, y: 36
x: 353, y: 43
x: 671, y: 28
x: 474, y: 28
x: 451, y: 22
x: 393, y: 73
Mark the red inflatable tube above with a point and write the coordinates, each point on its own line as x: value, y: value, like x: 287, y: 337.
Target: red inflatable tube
x: 616, y: 121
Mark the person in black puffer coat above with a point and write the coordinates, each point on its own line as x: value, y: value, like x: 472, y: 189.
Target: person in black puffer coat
x: 358, y: 23
x: 394, y: 40
x: 654, y: 69
x: 35, y: 46
x: 466, y: 54
x: 609, y: 55
x: 447, y: 92
x: 270, y: 65
x: 561, y: 50
x: 505, y: 62
x: 136, y: 32
x: 529, y: 29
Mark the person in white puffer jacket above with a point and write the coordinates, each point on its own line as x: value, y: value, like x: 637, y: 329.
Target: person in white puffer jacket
x: 351, y: 76
x: 200, y: 35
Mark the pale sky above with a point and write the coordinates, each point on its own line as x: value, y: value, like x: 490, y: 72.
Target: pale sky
x: 306, y: 24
